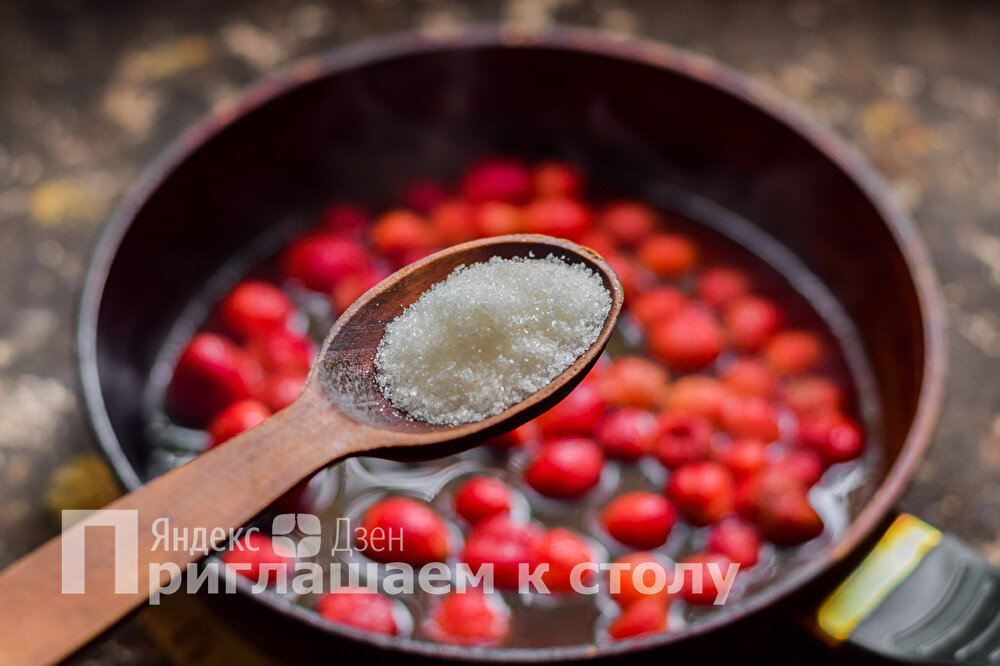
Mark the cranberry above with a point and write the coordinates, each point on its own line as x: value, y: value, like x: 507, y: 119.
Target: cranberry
x: 721, y: 285
x: 794, y: 352
x: 698, y: 394
x: 737, y: 540
x: 345, y: 219
x: 682, y: 438
x: 470, y: 617
x: 562, y: 550
x: 454, y: 222
x: 236, y: 418
x: 628, y: 222
x: 808, y: 395
x: 709, y: 589
x: 743, y: 456
x: 749, y: 376
x: 750, y: 417
x: 558, y: 179
x: 803, y: 465
x: 668, y: 255
x: 211, y: 373
x: 504, y: 545
x: 496, y: 218
x: 599, y: 242
x: 633, y: 381
x: 400, y: 529
x: 498, y: 179
x: 518, y: 437
x: 284, y: 352
x: 576, y: 414
x: 779, y: 505
x: 703, y: 491
x: 563, y: 218
x: 254, y: 309
x: 482, y: 497
x: 660, y: 303
x: 628, y: 273
x: 751, y: 321
x: 646, y: 616
x: 566, y: 468
x: 353, y: 286
x: 628, y: 591
x: 402, y: 236
x: 320, y: 260
x: 424, y: 195
x: 250, y: 555
x: 639, y: 519
x: 281, y: 390
x: 833, y: 436
x: 358, y: 607
x: 688, y: 341
x: 627, y: 434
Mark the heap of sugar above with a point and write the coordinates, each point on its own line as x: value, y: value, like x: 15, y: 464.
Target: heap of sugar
x: 489, y: 336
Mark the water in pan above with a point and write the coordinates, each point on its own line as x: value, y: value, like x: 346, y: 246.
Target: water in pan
x: 540, y: 621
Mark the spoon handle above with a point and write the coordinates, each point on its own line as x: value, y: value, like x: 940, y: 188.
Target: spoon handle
x: 45, y: 615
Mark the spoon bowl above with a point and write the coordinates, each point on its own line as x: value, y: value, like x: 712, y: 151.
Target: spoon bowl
x: 340, y: 413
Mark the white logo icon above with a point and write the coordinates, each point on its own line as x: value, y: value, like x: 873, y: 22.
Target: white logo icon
x: 308, y: 524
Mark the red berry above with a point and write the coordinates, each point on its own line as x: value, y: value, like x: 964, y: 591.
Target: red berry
x: 646, y: 616
x: 563, y: 551
x: 628, y: 578
x: 639, y: 519
x: 703, y: 491
x: 794, y: 352
x: 751, y: 321
x: 743, y: 456
x: 749, y: 376
x: 236, y: 418
x: 566, y: 468
x: 750, y: 416
x: 353, y: 286
x: 284, y: 352
x: 633, y: 381
x: 558, y: 179
x: 211, y: 374
x: 496, y: 218
x: 697, y: 394
x: 808, y: 395
x: 482, y: 497
x: 709, y: 589
x: 682, y: 439
x: 668, y: 255
x: 358, y: 607
x: 320, y: 260
x: 281, y: 390
x: 453, y: 222
x: 628, y: 222
x: 599, y: 242
x: 562, y: 218
x: 423, y: 195
x: 688, y: 341
x: 627, y: 434
x: 498, y: 179
x: 779, y: 505
x: 737, y: 540
x: 658, y: 304
x: 576, y: 414
x: 504, y: 545
x: 400, y: 529
x: 721, y: 285
x: 401, y: 235
x: 345, y: 219
x: 833, y: 436
x: 470, y: 617
x: 250, y: 554
x: 254, y: 309
x: 627, y: 271
x: 803, y: 465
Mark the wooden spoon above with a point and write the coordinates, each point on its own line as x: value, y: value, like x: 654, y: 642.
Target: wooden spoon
x: 340, y: 413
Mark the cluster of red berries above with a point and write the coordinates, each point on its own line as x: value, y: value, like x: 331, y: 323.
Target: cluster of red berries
x: 735, y: 403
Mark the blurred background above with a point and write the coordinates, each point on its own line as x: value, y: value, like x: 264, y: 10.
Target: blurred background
x: 92, y: 92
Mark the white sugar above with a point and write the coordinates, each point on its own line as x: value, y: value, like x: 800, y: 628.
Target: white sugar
x: 488, y: 336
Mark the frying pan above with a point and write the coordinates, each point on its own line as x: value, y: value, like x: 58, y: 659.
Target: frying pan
x: 644, y: 117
